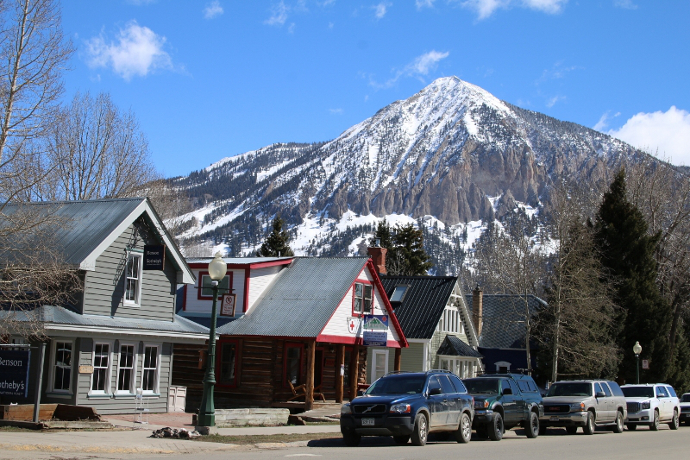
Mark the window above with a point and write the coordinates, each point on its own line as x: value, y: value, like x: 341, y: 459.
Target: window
x: 363, y: 296
x: 399, y: 293
x: 133, y: 279
x: 149, y: 373
x: 380, y: 364
x: 450, y: 321
x: 206, y: 285
x: 228, y: 363
x: 293, y: 363
x: 101, y: 368
x: 62, y: 367
x: 502, y: 367
x: 125, y: 371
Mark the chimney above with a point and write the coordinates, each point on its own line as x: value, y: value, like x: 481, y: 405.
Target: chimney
x: 477, y: 307
x: 378, y: 255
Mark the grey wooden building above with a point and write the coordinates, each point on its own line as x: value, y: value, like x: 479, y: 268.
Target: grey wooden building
x: 112, y: 347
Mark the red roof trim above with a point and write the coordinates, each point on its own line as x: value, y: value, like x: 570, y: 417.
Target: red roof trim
x: 387, y: 303
x: 232, y: 266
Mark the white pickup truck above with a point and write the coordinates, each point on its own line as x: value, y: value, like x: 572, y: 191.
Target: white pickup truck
x: 651, y: 404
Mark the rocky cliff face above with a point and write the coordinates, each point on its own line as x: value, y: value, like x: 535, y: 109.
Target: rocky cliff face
x: 443, y: 152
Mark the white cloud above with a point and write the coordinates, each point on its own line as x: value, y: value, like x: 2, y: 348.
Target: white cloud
x: 279, y: 14
x: 381, y: 9
x: 664, y: 133
x: 424, y: 4
x: 627, y: 4
x: 213, y: 9
x: 419, y: 67
x: 485, y: 8
x: 551, y: 102
x: 335, y: 111
x: 603, y: 122
x: 136, y: 51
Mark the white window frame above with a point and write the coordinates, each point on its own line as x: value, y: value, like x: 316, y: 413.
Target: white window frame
x: 375, y: 355
x: 53, y: 366
x: 450, y: 320
x: 500, y: 364
x: 108, y: 368
x: 157, y: 369
x: 137, y: 300
x: 133, y: 370
x: 363, y: 310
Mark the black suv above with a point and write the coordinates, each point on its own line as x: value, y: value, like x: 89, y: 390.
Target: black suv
x: 502, y: 401
x: 410, y: 404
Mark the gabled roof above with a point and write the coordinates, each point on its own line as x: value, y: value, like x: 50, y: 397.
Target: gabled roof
x: 55, y: 318
x: 87, y: 228
x: 302, y: 299
x: 423, y: 304
x: 503, y: 319
x: 453, y: 346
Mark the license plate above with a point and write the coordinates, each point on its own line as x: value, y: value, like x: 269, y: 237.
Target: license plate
x: 554, y: 419
x: 368, y: 422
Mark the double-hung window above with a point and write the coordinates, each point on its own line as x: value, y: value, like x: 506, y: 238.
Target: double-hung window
x: 363, y: 299
x: 62, y: 367
x: 206, y: 285
x: 149, y: 372
x: 133, y: 279
x: 101, y: 369
x: 125, y: 370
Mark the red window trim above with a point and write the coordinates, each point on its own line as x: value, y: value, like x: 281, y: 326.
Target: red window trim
x: 199, y: 296
x: 301, y: 361
x: 238, y: 351
x: 373, y: 297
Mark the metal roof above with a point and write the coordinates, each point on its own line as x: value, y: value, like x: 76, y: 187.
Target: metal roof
x: 503, y: 319
x: 56, y: 318
x: 454, y: 346
x: 301, y: 300
x: 238, y: 260
x: 423, y: 304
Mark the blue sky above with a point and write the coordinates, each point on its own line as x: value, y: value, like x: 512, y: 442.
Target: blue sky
x: 209, y: 79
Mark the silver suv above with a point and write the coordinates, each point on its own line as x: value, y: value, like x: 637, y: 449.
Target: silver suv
x: 584, y: 403
x: 651, y: 404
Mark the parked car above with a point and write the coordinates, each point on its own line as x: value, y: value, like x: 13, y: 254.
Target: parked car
x: 651, y: 404
x: 502, y: 401
x: 685, y: 408
x: 410, y: 405
x: 586, y: 404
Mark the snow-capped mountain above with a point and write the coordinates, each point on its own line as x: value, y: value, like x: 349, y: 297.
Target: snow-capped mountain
x: 442, y: 157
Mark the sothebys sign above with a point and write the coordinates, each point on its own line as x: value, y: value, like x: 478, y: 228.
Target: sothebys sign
x: 14, y: 373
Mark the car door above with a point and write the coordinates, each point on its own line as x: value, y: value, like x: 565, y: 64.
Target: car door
x: 438, y: 403
x: 509, y: 402
x: 453, y: 417
x: 664, y: 403
x: 519, y: 401
x: 603, y: 403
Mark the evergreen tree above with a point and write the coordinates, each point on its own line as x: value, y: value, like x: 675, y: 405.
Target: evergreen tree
x: 406, y: 254
x: 627, y: 251
x: 276, y: 245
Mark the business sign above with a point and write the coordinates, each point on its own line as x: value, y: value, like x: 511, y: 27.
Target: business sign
x: 227, y: 305
x: 375, y: 332
x: 154, y: 257
x: 14, y: 372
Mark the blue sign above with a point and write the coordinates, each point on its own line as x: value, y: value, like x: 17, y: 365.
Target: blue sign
x: 375, y: 333
x: 14, y: 373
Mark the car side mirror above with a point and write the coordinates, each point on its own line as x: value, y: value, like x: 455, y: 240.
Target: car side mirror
x: 507, y: 391
x: 434, y: 391
x: 360, y: 392
x: 600, y: 394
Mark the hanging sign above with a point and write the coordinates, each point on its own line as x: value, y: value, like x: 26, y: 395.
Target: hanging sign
x: 154, y: 257
x: 14, y: 372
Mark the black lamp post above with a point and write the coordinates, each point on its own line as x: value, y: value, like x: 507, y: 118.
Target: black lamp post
x: 207, y: 412
x: 637, y: 349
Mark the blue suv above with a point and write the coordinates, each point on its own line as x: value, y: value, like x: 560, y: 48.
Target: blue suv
x: 410, y: 405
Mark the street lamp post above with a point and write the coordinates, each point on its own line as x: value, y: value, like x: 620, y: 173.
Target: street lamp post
x: 637, y: 349
x: 207, y: 412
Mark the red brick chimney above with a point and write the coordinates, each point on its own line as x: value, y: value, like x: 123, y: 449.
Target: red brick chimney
x: 378, y: 255
x: 477, y: 299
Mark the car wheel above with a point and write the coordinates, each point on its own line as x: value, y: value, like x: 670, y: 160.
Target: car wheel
x: 532, y: 428
x: 496, y: 428
x: 421, y: 430
x: 674, y: 421
x: 618, y: 427
x: 351, y: 438
x: 571, y: 429
x: 631, y: 427
x: 401, y: 440
x: 654, y: 426
x: 589, y: 424
x: 464, y: 433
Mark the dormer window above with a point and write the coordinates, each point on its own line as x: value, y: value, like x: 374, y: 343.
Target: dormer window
x: 206, y: 285
x: 399, y: 293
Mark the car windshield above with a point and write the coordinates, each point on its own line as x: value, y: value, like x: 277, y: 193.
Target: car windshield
x: 638, y: 392
x: 570, y: 389
x: 481, y: 386
x: 685, y: 398
x: 397, y: 385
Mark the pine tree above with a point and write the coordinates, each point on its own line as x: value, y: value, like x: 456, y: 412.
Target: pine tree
x: 627, y: 251
x: 276, y: 245
x: 406, y: 254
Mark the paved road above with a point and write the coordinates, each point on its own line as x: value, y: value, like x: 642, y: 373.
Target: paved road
x: 640, y: 444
